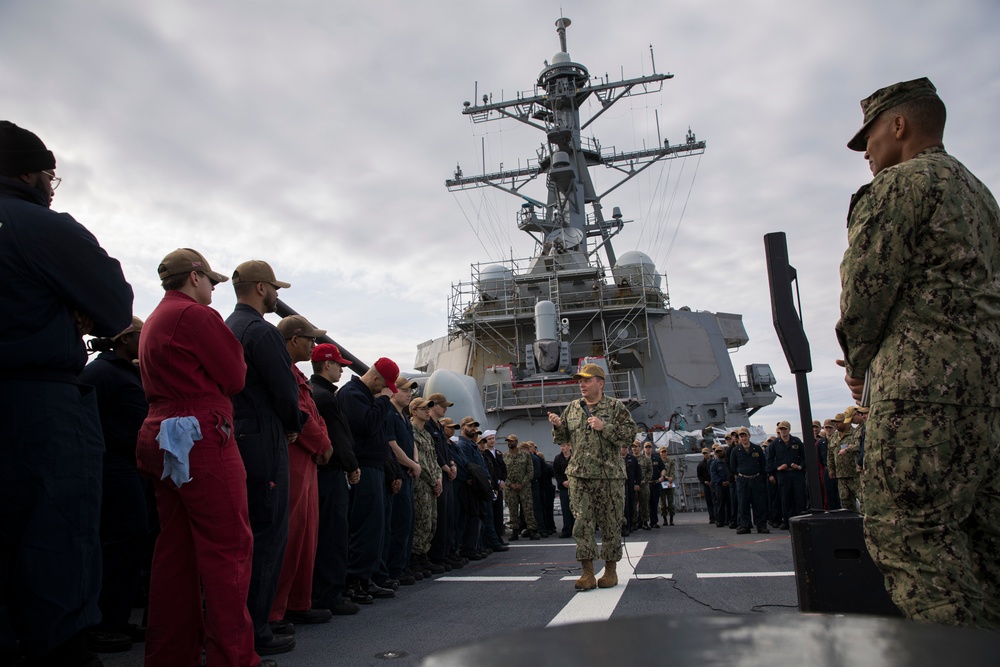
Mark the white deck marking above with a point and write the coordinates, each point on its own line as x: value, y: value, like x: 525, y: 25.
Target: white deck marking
x: 638, y: 577
x: 737, y: 575
x: 487, y: 579
x: 600, y: 603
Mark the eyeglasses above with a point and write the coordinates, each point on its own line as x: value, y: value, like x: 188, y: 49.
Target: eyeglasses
x: 54, y: 180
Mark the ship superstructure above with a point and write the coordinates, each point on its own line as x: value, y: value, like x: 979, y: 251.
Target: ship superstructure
x: 522, y: 327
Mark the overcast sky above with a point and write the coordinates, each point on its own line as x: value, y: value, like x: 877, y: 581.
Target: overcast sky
x: 318, y: 135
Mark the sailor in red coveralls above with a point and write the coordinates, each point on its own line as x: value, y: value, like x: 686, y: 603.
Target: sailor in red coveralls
x: 191, y: 365
x: 293, y: 601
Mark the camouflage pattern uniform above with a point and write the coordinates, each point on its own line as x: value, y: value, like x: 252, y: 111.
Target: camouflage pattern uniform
x: 667, y: 495
x: 646, y: 466
x: 920, y: 310
x: 424, y: 500
x: 596, y: 475
x: 832, y: 447
x: 848, y: 477
x: 520, y: 470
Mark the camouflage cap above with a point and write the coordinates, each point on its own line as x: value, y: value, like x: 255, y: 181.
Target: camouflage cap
x: 887, y: 98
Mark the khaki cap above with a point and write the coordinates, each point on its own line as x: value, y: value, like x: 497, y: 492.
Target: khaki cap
x: 186, y: 260
x: 829, y: 422
x: 406, y: 383
x: 744, y: 429
x: 887, y: 98
x: 512, y: 439
x: 839, y: 418
x: 589, y: 371
x: 257, y: 271
x: 420, y: 402
x: 469, y: 420
x: 132, y: 328
x: 447, y: 422
x: 296, y: 325
x: 439, y: 399
x: 780, y: 425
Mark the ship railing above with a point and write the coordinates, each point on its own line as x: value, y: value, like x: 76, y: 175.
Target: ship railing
x: 555, y: 394
x: 509, y: 293
x: 610, y: 299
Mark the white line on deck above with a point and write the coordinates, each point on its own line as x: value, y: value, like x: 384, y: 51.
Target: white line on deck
x: 599, y: 604
x: 736, y: 575
x: 639, y: 577
x: 487, y: 579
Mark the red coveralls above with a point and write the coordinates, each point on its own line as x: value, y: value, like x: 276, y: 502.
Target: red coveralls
x: 191, y: 365
x: 295, y: 583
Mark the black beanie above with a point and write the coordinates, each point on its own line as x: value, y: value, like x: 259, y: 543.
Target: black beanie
x: 22, y: 152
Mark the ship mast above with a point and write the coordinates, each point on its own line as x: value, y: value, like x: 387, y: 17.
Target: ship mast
x: 562, y: 223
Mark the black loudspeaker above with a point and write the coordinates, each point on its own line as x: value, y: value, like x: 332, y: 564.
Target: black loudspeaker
x: 787, y: 323
x: 833, y: 572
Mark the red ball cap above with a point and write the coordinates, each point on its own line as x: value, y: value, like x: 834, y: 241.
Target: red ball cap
x: 328, y: 352
x: 389, y: 371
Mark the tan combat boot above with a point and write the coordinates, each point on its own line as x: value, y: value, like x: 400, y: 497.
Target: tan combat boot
x: 610, y: 577
x: 586, y: 582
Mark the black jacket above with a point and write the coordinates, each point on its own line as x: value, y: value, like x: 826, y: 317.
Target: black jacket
x: 704, y: 474
x: 271, y: 390
x: 50, y: 268
x: 633, y: 473
x: 559, y: 464
x: 121, y: 401
x: 324, y: 393
x: 365, y: 415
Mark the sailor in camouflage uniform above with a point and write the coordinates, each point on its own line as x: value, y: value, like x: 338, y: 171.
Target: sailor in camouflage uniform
x: 520, y: 470
x: 596, y: 473
x: 427, y: 486
x: 920, y: 313
x: 833, y: 446
x: 848, y: 476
